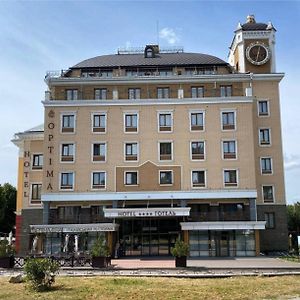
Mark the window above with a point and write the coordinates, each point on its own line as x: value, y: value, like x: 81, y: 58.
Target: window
x: 99, y: 123
x: 197, y: 150
x: 165, y: 122
x: 68, y: 214
x: 67, y: 152
x: 131, y: 122
x: 134, y: 93
x: 197, y: 121
x: 165, y: 151
x: 100, y: 94
x: 230, y: 178
x: 197, y: 92
x: 36, y: 190
x: 270, y: 220
x: 226, y: 91
x: 72, y: 94
x: 266, y: 165
x: 268, y: 193
x: 264, y: 136
x: 228, y: 120
x: 229, y: 149
x: 98, y: 180
x: 99, y: 152
x: 198, y: 178
x: 263, y: 108
x: 66, y: 181
x: 165, y: 177
x: 163, y: 93
x: 131, y: 151
x: 131, y: 178
x: 37, y: 161
x: 68, y: 123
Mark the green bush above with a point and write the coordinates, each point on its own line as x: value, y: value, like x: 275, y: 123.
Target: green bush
x: 40, y: 272
x: 180, y: 249
x: 6, y: 249
x: 100, y: 248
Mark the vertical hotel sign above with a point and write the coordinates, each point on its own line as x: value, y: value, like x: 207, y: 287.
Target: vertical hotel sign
x: 50, y: 149
x: 26, y: 165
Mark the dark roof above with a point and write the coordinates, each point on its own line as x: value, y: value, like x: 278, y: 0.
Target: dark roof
x: 254, y: 26
x: 163, y: 59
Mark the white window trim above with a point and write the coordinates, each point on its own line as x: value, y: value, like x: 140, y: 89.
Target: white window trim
x: 32, y: 161
x: 105, y: 176
x: 237, y: 178
x: 262, y: 194
x: 134, y: 112
x: 205, y: 179
x: 165, y: 112
x: 59, y: 181
x: 225, y: 110
x: 191, y: 159
x: 60, y: 153
x: 92, y: 152
x: 190, y: 119
x: 30, y: 191
x: 137, y: 177
x: 167, y: 184
x: 268, y: 105
x: 270, y: 137
x: 172, y: 150
x: 272, y: 167
x: 137, y: 151
x: 68, y: 113
x: 236, y: 149
x: 92, y: 121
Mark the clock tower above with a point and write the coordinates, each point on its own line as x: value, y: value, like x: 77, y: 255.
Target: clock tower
x: 253, y: 47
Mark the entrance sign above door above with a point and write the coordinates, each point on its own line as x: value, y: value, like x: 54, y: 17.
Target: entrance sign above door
x: 146, y: 212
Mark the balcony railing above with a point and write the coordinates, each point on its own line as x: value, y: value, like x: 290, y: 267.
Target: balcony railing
x: 219, y: 216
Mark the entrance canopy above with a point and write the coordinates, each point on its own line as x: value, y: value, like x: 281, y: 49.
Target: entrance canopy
x: 146, y: 212
x: 74, y: 228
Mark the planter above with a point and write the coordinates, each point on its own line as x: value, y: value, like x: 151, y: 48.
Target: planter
x: 7, y: 262
x: 180, y: 262
x: 99, y: 262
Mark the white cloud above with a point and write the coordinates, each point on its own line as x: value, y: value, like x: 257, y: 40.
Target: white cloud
x: 169, y: 35
x: 291, y: 162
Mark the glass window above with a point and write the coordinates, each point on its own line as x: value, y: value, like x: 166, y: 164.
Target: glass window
x: 198, y: 178
x: 131, y: 151
x: 72, y: 94
x: 66, y: 181
x: 134, y: 93
x: 197, y: 121
x: 268, y: 193
x: 68, y: 123
x: 36, y: 190
x: 100, y: 94
x: 229, y: 149
x: 226, y: 90
x: 99, y: 123
x: 165, y: 122
x: 131, y: 178
x: 99, y: 180
x: 270, y: 220
x: 37, y: 161
x: 228, y: 120
x: 230, y: 178
x: 266, y: 165
x: 197, y: 92
x: 163, y: 93
x: 67, y: 152
x: 263, y: 108
x: 131, y: 123
x: 99, y: 152
x: 197, y: 149
x: 165, y: 151
x: 264, y: 136
x: 165, y: 177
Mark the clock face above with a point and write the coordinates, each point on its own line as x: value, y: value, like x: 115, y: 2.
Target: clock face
x: 258, y: 54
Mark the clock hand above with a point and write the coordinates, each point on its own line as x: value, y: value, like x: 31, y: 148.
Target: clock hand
x: 257, y: 54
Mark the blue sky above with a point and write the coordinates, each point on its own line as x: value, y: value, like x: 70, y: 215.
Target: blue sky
x: 39, y: 36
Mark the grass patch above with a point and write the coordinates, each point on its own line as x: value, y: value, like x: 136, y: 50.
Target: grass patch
x: 112, y: 288
x: 292, y: 258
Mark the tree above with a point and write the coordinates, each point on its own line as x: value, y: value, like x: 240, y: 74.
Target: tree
x: 8, y: 196
x: 293, y: 216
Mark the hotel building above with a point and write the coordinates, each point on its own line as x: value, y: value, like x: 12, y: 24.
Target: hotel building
x: 144, y: 146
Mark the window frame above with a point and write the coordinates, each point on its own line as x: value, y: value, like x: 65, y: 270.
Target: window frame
x: 100, y: 93
x: 137, y: 151
x: 94, y: 186
x: 197, y: 92
x: 60, y: 181
x: 226, y: 86
x: 129, y: 113
x: 166, y: 184
x: 230, y: 157
x: 125, y: 177
x: 35, y: 201
x: 198, y: 186
x: 72, y: 98
x: 267, y: 219
x: 191, y: 151
x: 166, y: 130
x: 234, y: 118
x: 267, y: 201
x: 191, y: 112
x: 259, y: 139
x: 263, y: 115
x: 68, y: 158
x: 67, y: 130
x: 231, y: 185
x: 163, y: 89
x: 92, y: 152
x: 136, y: 92
x: 268, y: 172
x: 172, y: 151
x: 38, y: 167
